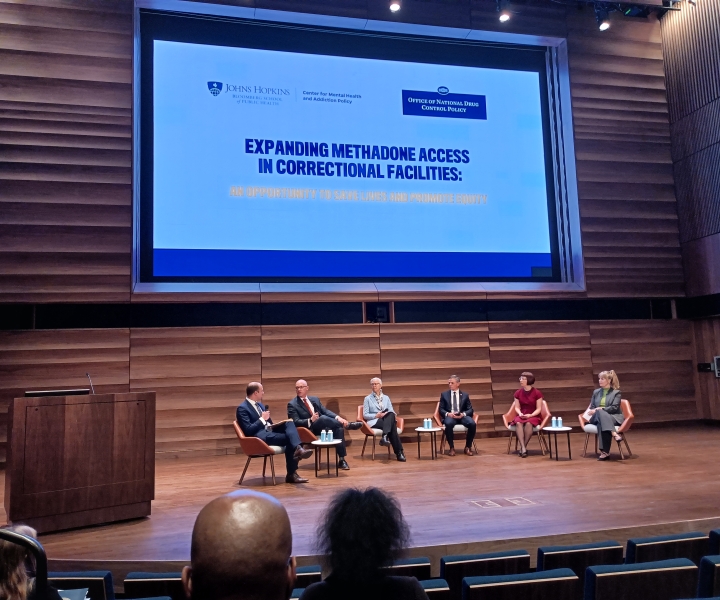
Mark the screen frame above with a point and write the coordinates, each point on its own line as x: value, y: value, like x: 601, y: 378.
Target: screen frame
x: 568, y: 268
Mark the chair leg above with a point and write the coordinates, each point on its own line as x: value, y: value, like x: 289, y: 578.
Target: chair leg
x: 622, y: 456
x: 362, y: 454
x: 264, y: 464
x: 587, y: 439
x: 541, y: 441
x: 442, y: 441
x: 510, y: 440
x: 627, y: 446
x: 373, y: 452
x: 597, y: 451
x: 247, y: 464
x: 272, y: 468
x: 475, y: 448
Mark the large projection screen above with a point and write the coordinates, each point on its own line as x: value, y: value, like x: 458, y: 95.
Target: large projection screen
x: 276, y: 153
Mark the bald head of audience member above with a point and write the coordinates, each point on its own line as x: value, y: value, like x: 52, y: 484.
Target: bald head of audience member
x: 241, y: 550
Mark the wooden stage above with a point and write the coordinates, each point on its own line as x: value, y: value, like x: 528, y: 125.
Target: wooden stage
x: 671, y: 484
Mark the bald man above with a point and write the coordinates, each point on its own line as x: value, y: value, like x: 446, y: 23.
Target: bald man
x: 308, y: 411
x: 241, y: 550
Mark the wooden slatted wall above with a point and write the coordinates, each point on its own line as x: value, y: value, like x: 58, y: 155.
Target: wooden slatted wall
x: 38, y: 360
x: 653, y: 360
x: 417, y: 360
x: 65, y: 147
x: 556, y: 352
x: 622, y: 142
x: 199, y: 374
x: 706, y: 345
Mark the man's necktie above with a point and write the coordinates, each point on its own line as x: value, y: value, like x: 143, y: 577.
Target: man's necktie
x: 309, y: 406
x: 257, y: 408
x: 455, y: 407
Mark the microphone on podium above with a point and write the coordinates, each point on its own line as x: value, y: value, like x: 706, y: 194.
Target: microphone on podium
x: 92, y: 389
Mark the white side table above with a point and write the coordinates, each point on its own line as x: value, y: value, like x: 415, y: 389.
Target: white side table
x: 433, y: 431
x: 554, y: 432
x: 318, y: 445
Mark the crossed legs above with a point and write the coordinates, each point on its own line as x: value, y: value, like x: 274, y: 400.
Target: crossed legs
x: 524, y: 432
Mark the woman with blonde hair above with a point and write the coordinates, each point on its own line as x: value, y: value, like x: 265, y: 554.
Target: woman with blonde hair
x: 17, y: 568
x: 604, y: 411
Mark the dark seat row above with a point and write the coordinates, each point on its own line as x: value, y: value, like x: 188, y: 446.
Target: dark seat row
x: 588, y: 567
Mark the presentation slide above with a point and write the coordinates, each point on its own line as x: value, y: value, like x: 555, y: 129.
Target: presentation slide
x: 287, y: 165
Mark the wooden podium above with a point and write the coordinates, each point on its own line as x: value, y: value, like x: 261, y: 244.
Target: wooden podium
x: 75, y: 461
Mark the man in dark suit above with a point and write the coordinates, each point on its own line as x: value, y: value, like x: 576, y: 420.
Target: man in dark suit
x: 455, y: 409
x: 254, y: 420
x: 308, y: 411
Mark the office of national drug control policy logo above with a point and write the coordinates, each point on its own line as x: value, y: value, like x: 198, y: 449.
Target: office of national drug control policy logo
x: 215, y: 87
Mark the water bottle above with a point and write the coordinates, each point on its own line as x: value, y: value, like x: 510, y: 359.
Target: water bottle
x: 323, y: 436
x: 329, y: 435
x: 426, y: 423
x: 559, y: 421
x: 554, y: 422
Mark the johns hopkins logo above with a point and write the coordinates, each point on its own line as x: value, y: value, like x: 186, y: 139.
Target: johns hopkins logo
x: 215, y: 87
x: 441, y: 90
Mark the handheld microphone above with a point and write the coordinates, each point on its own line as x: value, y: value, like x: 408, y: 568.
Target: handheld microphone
x: 92, y: 389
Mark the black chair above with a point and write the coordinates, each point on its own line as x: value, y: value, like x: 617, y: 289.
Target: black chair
x: 579, y: 557
x: 558, y: 584
x: 436, y: 589
x: 660, y: 580
x: 455, y: 568
x: 709, y: 577
x: 98, y: 583
x: 411, y: 567
x: 693, y: 545
x: 37, y: 550
x: 307, y: 575
x: 139, y: 584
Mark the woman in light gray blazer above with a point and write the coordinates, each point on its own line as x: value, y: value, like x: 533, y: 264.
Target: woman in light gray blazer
x: 604, y: 411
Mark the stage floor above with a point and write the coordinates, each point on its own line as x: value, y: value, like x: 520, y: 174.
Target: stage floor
x: 460, y: 504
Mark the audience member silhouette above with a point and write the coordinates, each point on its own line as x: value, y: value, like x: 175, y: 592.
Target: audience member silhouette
x: 241, y: 550
x: 361, y: 533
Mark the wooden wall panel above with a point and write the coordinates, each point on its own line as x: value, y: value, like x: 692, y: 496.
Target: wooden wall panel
x: 706, y: 345
x: 199, y: 375
x: 37, y: 360
x: 622, y: 141
x: 65, y: 150
x: 417, y: 360
x: 337, y: 361
x: 556, y: 352
x: 653, y: 360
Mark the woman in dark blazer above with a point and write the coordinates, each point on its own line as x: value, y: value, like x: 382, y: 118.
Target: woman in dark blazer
x: 604, y: 411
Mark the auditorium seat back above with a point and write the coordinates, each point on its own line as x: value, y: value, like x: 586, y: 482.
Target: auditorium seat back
x: 139, y: 584
x: 693, y: 545
x: 579, y: 557
x: 659, y: 580
x: 455, y: 568
x: 411, y: 567
x: 436, y: 589
x: 714, y: 542
x: 558, y: 584
x: 307, y: 575
x: 709, y: 577
x: 98, y: 583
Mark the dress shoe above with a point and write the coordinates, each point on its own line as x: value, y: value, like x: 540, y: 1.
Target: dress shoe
x: 342, y: 463
x: 401, y: 457
x: 354, y: 425
x: 604, y: 456
x: 294, y: 478
x: 301, y: 453
x: 451, y: 452
x: 468, y: 451
x: 384, y: 441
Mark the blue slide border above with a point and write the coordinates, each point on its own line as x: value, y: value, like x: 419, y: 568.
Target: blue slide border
x: 352, y: 265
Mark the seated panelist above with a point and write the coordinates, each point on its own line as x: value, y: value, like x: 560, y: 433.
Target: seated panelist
x: 605, y: 411
x: 308, y: 411
x: 379, y: 414
x: 456, y: 409
x: 254, y: 420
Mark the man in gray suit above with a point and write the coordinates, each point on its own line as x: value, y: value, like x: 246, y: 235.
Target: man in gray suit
x: 379, y: 414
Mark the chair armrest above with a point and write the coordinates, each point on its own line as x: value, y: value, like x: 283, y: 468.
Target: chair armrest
x: 507, y: 417
x: 582, y: 421
x: 306, y: 436
x: 400, y: 422
x: 253, y: 446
